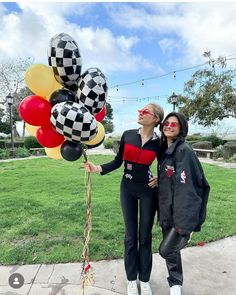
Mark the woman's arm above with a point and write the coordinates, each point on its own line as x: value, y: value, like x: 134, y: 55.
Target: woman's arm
x: 188, y: 201
x: 110, y: 166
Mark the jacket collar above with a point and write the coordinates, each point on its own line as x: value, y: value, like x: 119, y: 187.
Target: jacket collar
x: 155, y: 136
x: 174, y: 145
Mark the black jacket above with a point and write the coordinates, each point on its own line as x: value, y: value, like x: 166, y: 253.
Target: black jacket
x: 182, y: 190
x: 137, y: 158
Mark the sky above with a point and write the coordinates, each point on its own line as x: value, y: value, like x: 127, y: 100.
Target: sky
x: 132, y: 43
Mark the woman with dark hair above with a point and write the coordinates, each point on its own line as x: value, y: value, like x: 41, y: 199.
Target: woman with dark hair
x: 182, y: 195
x: 138, y: 149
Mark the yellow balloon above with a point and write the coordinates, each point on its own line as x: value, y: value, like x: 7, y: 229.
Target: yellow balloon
x: 41, y: 81
x: 99, y: 136
x: 54, y: 153
x: 31, y: 129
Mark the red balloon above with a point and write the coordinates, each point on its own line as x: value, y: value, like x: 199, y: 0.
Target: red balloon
x: 35, y: 110
x: 101, y: 115
x: 48, y: 137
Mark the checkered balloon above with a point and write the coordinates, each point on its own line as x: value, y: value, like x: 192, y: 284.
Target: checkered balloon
x: 73, y: 121
x: 92, y: 90
x: 65, y: 59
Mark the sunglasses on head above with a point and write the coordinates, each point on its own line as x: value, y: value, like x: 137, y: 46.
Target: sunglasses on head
x: 170, y: 124
x: 146, y: 112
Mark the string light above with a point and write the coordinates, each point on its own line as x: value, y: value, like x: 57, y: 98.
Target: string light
x: 221, y: 61
x: 113, y: 99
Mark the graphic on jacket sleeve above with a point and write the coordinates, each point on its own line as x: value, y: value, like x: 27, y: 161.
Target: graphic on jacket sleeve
x: 183, y: 176
x: 170, y: 170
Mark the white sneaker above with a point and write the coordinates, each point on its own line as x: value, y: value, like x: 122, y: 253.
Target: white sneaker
x: 175, y: 290
x: 132, y: 288
x: 145, y: 288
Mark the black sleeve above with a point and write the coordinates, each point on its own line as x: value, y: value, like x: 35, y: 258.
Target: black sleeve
x: 188, y: 192
x: 118, y: 160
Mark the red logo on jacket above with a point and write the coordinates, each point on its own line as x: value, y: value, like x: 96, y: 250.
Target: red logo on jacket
x: 170, y: 170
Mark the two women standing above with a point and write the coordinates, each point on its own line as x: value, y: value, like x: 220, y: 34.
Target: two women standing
x: 182, y: 195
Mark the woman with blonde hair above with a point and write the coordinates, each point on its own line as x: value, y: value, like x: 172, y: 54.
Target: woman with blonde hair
x: 138, y: 149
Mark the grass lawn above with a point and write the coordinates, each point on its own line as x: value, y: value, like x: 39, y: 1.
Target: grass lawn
x: 43, y: 202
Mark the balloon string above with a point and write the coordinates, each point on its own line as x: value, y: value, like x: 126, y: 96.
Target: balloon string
x: 87, y: 273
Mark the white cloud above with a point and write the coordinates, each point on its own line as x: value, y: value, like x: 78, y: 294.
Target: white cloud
x: 167, y: 45
x: 28, y: 33
x: 196, y: 26
x: 50, y: 9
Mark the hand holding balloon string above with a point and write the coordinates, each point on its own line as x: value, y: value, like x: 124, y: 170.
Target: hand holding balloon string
x: 92, y: 168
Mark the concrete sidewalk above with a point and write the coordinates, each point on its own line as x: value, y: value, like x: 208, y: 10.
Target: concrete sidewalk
x: 208, y: 270
x: 218, y: 163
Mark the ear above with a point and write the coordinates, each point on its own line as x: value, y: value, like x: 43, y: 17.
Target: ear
x: 157, y: 120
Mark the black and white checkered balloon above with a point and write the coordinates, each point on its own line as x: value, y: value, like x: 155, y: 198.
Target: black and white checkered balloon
x: 65, y: 59
x: 92, y: 90
x: 74, y: 121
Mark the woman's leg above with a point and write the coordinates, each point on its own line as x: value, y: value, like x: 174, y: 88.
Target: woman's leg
x: 169, y: 249
x: 129, y: 205
x: 147, y: 213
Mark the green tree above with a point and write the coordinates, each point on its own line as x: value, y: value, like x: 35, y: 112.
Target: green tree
x: 18, y: 97
x: 209, y: 97
x: 107, y: 122
x: 12, y: 74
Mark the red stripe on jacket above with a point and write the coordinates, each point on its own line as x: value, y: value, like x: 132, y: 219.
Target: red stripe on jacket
x: 138, y: 155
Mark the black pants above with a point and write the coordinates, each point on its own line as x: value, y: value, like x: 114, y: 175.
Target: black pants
x: 169, y: 249
x: 138, y: 198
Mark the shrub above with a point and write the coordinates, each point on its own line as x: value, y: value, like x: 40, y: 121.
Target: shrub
x: 191, y: 142
x: 219, y: 152
x: 111, y: 141
x: 196, y: 137
x: 16, y: 144
x: 215, y: 140
x: 233, y: 158
x: 2, y: 144
x: 202, y: 145
x: 229, y: 149
x: 4, y: 154
x: 38, y: 153
x: 22, y: 152
x: 31, y: 142
x: 108, y: 143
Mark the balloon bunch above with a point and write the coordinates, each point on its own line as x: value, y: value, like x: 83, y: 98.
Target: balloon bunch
x: 68, y: 107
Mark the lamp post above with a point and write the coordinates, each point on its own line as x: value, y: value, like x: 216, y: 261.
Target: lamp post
x: 173, y: 100
x: 10, y: 103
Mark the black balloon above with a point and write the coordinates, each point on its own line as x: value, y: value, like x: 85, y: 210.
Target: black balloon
x: 71, y: 151
x: 62, y: 95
